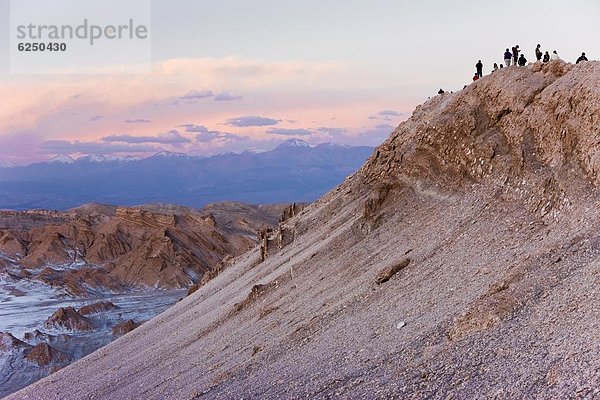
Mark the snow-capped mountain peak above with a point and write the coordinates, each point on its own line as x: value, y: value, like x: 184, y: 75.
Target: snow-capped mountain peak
x: 298, y: 143
x: 7, y: 164
x: 61, y: 159
x: 169, y: 154
x: 128, y: 158
x: 97, y: 158
x: 254, y: 150
x: 93, y: 158
x: 330, y: 145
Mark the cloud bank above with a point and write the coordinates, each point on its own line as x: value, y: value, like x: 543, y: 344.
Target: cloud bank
x: 243, y: 122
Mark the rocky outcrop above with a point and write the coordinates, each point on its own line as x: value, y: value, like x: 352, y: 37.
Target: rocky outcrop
x: 291, y: 211
x: 69, y: 319
x: 24, y: 363
x: 36, y: 336
x: 274, y: 239
x: 43, y: 354
x: 27, y: 220
x: 222, y: 266
x: 96, y: 308
x: 80, y: 281
x: 124, y: 328
x: 9, y: 343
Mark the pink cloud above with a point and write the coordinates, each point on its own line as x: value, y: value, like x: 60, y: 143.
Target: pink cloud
x: 300, y: 97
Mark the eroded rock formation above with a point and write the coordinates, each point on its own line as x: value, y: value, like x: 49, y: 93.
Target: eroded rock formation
x: 96, y: 308
x: 96, y: 251
x: 43, y: 354
x: 69, y: 319
x: 103, y: 247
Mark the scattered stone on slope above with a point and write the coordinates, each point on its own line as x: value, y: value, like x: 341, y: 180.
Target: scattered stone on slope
x: 387, y: 273
x: 257, y: 292
x: 125, y: 327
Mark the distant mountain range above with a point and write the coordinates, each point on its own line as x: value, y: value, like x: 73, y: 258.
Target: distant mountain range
x: 294, y: 171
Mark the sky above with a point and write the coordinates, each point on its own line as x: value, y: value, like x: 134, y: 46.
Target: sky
x: 236, y: 74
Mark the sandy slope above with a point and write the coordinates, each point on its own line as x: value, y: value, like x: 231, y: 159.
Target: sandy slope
x: 490, y: 192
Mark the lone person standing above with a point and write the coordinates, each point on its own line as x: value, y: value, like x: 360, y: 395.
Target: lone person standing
x: 538, y: 52
x: 507, y: 57
x: 479, y: 67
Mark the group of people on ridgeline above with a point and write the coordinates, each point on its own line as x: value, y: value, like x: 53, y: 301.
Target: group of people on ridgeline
x: 515, y: 57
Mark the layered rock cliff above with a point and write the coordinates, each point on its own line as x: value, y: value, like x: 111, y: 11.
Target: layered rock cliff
x: 461, y: 261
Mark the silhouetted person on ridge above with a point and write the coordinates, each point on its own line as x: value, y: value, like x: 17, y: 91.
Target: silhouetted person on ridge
x: 507, y: 57
x: 581, y: 58
x: 515, y: 53
x: 479, y: 67
x: 546, y: 57
x: 476, y: 77
x: 522, y: 61
x: 495, y: 67
x: 538, y: 52
x: 555, y: 56
x: 441, y: 91
x: 501, y: 66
